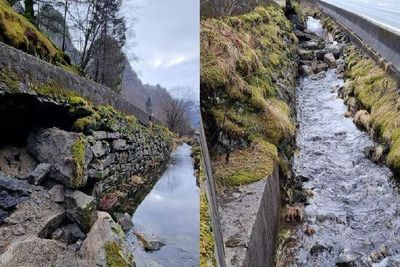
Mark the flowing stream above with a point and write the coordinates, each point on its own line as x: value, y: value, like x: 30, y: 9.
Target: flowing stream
x: 355, y: 206
x: 170, y: 214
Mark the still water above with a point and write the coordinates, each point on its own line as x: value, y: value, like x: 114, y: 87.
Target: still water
x: 170, y: 214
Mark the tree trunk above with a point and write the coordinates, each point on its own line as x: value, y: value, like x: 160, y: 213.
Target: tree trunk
x: 65, y: 26
x: 29, y: 11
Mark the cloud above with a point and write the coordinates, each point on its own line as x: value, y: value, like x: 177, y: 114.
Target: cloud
x: 175, y: 61
x: 167, y: 41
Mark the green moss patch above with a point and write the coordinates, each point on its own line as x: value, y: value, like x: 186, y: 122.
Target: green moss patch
x: 10, y: 79
x: 377, y: 92
x: 115, y: 256
x: 17, y: 31
x: 242, y: 57
x: 246, y: 165
x: 78, y: 157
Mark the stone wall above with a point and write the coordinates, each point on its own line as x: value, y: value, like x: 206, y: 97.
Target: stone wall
x: 74, y: 160
x: 32, y: 71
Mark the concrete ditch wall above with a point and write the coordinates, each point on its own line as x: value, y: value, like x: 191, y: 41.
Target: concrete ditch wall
x: 261, y: 247
x: 365, y: 31
x: 35, y: 71
x: 250, y: 219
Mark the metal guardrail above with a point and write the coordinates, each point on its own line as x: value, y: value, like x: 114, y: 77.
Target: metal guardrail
x: 376, y: 40
x: 212, y: 201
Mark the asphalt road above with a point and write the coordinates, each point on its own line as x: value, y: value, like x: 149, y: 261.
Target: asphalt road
x: 386, y: 12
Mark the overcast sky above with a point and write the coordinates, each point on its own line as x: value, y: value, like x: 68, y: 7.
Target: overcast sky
x: 167, y: 41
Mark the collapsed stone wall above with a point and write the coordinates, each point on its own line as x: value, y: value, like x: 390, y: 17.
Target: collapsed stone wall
x: 62, y: 160
x: 31, y: 70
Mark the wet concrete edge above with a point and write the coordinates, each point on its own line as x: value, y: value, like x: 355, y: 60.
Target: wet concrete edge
x: 249, y: 219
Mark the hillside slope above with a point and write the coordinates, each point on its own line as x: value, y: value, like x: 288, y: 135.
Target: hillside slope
x: 247, y: 92
x: 17, y: 31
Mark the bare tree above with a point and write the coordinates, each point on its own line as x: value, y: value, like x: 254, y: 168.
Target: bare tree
x: 176, y: 114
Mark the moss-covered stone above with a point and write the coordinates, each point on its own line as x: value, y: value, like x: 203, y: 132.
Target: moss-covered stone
x: 10, y: 79
x: 115, y: 256
x: 78, y: 157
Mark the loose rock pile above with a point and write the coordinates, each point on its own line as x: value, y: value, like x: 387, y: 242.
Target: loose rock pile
x: 317, y: 54
x: 49, y: 207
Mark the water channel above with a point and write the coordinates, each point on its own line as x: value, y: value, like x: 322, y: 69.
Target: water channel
x: 170, y: 214
x: 355, y: 204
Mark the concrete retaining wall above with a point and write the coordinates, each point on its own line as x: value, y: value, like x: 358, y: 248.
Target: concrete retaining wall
x: 33, y: 71
x: 365, y: 31
x: 261, y: 247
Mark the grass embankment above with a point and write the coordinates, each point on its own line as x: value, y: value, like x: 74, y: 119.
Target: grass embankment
x: 19, y: 32
x: 377, y: 93
x: 242, y: 58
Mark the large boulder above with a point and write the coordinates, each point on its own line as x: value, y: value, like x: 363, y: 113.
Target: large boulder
x: 81, y: 208
x: 104, y: 244
x: 68, y: 154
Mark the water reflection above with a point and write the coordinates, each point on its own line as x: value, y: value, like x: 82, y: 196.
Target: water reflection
x: 170, y: 213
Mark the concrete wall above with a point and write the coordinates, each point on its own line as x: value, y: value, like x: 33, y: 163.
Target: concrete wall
x: 261, y: 247
x: 252, y: 218
x: 363, y: 30
x: 32, y: 70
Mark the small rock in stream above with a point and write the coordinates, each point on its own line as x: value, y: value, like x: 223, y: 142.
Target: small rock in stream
x: 317, y: 249
x: 149, y: 245
x: 347, y: 257
x: 306, y: 70
x: 309, y: 231
x: 330, y: 60
x: 318, y: 76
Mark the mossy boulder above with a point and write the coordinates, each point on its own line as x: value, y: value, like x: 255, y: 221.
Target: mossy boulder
x: 68, y: 154
x: 104, y: 244
x: 81, y: 208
